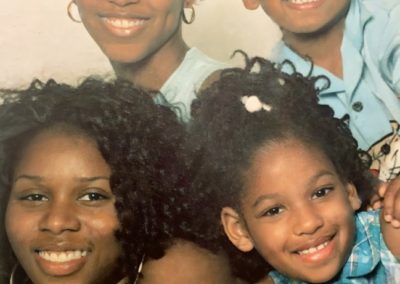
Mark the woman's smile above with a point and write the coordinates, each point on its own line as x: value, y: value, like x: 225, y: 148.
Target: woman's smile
x: 124, y: 26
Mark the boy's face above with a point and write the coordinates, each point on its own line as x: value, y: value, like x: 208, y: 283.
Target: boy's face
x: 297, y: 212
x: 308, y: 16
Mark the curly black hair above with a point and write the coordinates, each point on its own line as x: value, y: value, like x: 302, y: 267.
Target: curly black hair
x: 140, y: 141
x: 224, y: 137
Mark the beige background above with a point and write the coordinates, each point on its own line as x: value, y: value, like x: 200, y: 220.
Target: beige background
x: 37, y: 39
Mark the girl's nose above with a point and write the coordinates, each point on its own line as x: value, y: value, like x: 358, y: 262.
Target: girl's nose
x: 307, y: 220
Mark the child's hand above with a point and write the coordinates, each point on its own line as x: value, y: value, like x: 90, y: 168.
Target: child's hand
x: 390, y: 192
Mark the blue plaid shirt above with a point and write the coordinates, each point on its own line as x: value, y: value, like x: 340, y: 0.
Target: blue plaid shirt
x: 370, y: 260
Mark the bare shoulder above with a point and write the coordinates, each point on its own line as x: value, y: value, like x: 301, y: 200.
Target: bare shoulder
x: 185, y: 262
x: 210, y: 79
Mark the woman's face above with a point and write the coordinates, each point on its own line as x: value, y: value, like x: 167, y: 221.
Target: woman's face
x: 60, y: 218
x: 129, y: 31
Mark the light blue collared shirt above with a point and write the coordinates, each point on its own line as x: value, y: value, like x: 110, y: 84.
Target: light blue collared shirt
x: 370, y: 90
x: 182, y: 86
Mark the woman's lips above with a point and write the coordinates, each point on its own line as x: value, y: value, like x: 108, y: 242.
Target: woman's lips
x: 61, y: 263
x: 124, y: 27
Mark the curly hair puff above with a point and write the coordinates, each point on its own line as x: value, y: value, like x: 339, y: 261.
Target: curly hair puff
x: 224, y: 138
x: 140, y: 141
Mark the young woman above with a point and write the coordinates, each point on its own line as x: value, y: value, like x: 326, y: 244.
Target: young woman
x: 91, y: 185
x: 143, y: 41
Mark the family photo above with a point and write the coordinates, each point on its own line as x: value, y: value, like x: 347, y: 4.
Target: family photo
x: 200, y: 142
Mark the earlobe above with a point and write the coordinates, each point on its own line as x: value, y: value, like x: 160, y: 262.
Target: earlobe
x: 251, y: 4
x: 188, y: 3
x: 235, y: 230
x: 354, y: 199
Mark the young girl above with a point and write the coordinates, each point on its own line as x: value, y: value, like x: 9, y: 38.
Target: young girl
x: 91, y: 183
x: 143, y: 41
x: 286, y: 180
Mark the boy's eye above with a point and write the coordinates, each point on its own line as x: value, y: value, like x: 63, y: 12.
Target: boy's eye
x: 34, y: 197
x: 273, y: 211
x: 322, y: 192
x: 93, y: 196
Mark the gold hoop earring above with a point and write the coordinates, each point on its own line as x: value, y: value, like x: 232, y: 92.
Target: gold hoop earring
x: 192, y: 16
x: 139, y: 269
x: 12, y: 276
x: 70, y: 13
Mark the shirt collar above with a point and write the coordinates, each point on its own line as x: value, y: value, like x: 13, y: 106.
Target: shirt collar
x: 283, y: 52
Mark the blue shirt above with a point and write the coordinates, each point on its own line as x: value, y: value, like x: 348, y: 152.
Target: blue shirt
x: 370, y: 260
x: 370, y: 90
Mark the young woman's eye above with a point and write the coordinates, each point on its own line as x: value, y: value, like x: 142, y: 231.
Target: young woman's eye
x: 34, y: 197
x: 93, y: 196
x: 322, y: 192
x: 273, y: 211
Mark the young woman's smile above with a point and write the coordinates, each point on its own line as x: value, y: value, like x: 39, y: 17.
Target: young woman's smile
x: 131, y: 31
x: 60, y: 218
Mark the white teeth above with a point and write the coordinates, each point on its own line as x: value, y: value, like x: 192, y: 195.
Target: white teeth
x: 124, y: 23
x: 62, y: 256
x: 313, y: 249
x: 302, y: 1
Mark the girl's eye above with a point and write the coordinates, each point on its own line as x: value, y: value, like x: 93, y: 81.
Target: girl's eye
x: 93, y: 196
x: 322, y: 192
x: 273, y: 211
x: 34, y: 197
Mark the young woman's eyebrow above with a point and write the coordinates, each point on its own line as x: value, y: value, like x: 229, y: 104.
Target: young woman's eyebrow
x: 40, y: 178
x: 94, y: 178
x: 28, y: 177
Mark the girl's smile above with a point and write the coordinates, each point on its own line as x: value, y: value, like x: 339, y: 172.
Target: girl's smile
x: 296, y: 212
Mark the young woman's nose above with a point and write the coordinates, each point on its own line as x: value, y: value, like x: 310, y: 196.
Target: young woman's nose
x: 60, y: 217
x: 306, y: 220
x: 123, y: 3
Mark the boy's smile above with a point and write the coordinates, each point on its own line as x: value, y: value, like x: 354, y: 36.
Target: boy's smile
x: 302, y: 16
x: 297, y: 212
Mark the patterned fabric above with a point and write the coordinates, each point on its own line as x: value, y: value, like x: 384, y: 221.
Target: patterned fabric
x: 181, y: 87
x: 370, y: 260
x: 370, y: 90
